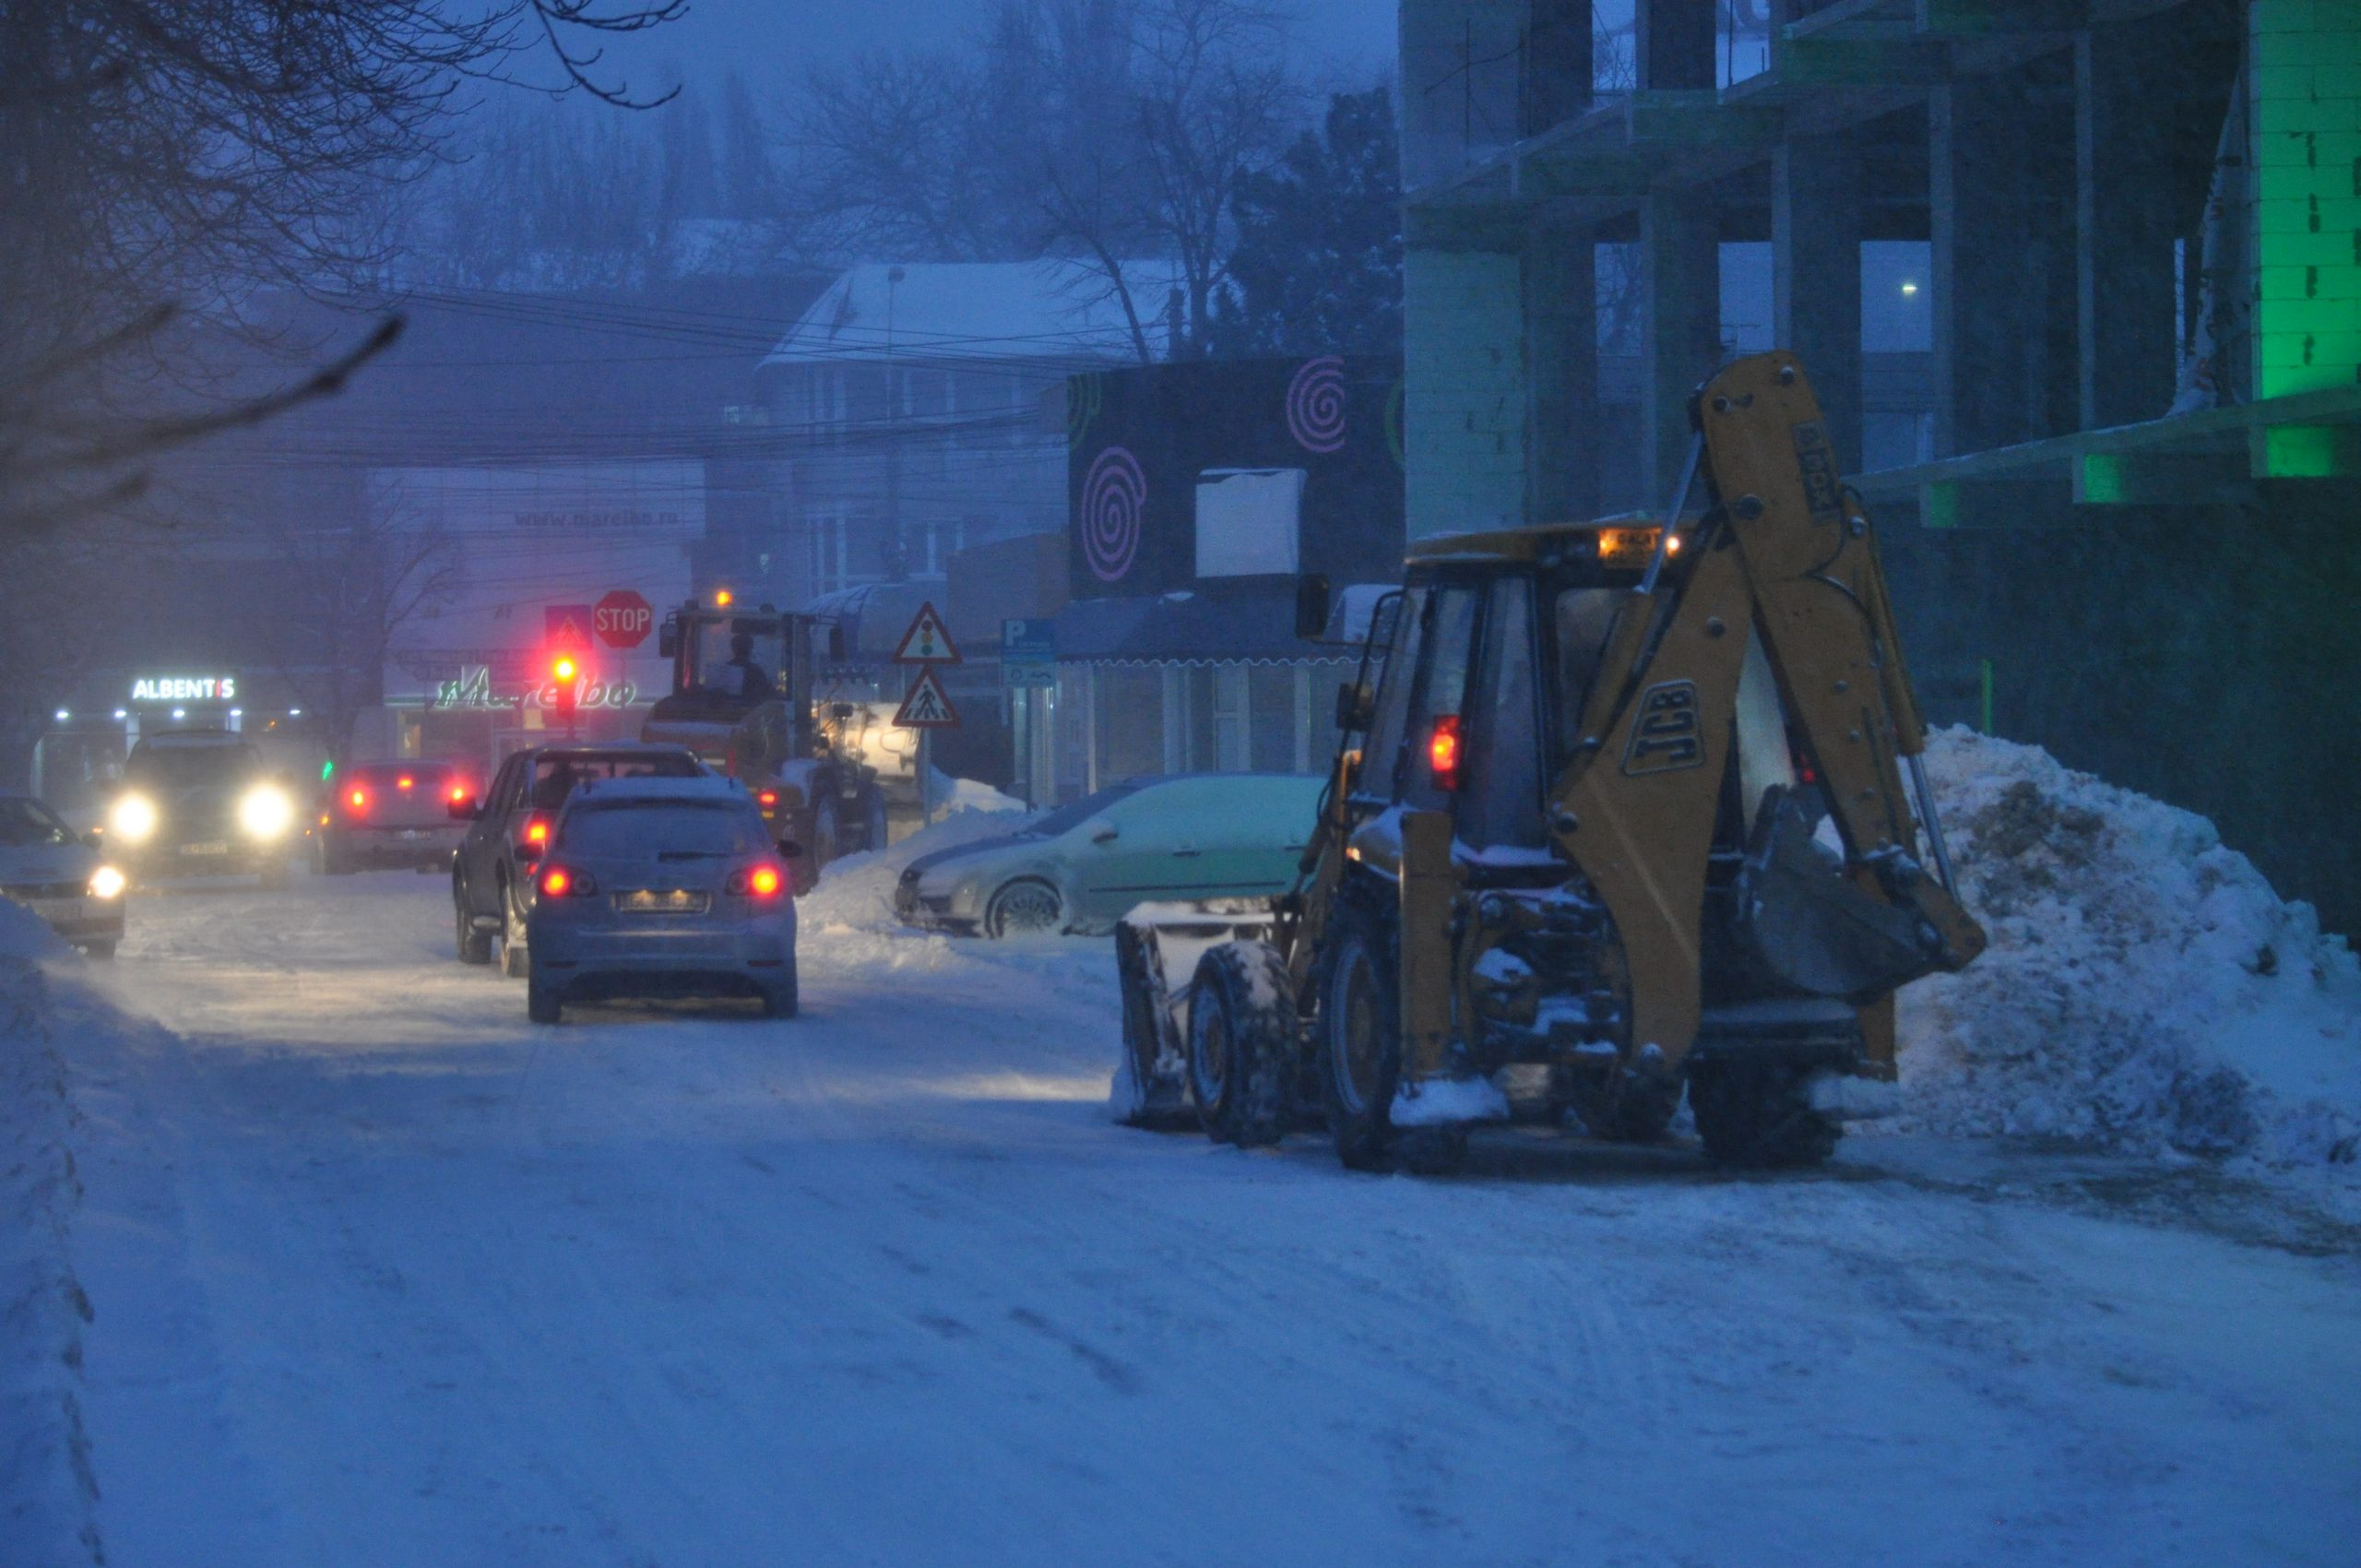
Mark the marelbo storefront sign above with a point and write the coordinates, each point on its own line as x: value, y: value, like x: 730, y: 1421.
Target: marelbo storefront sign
x: 473, y: 692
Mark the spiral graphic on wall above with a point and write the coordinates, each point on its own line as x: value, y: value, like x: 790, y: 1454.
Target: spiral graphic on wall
x: 1115, y: 495
x: 1316, y: 405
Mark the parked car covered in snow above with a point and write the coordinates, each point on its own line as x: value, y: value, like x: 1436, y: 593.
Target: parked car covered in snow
x: 661, y: 887
x: 1082, y: 867
x: 57, y: 873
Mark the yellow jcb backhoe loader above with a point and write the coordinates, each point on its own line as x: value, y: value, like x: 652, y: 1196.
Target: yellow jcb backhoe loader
x: 1619, y: 809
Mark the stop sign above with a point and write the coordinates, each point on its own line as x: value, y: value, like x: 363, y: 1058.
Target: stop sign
x: 622, y: 619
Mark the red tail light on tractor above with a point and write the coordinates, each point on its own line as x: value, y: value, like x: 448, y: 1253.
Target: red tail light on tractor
x: 1443, y: 752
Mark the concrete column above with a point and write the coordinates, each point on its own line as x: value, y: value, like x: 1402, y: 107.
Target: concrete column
x: 1816, y: 276
x: 1681, y: 327
x: 1559, y: 279
x: 1557, y: 62
x: 2124, y: 228
x: 2001, y: 208
x: 1464, y: 397
x: 1673, y: 42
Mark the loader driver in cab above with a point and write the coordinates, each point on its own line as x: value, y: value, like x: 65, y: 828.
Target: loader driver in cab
x: 741, y: 677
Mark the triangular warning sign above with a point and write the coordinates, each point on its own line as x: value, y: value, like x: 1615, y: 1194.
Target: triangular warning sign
x: 929, y: 705
x: 928, y: 641
x: 567, y: 625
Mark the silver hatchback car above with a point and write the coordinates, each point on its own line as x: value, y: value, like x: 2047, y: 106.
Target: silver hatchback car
x: 661, y: 887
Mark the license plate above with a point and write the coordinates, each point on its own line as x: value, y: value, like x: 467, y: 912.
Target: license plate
x: 217, y: 847
x: 654, y: 901
x: 412, y: 833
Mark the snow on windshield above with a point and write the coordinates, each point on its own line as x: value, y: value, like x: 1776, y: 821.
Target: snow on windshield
x: 652, y: 827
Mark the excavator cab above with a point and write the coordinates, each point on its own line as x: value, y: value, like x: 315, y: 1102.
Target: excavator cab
x: 1623, y: 811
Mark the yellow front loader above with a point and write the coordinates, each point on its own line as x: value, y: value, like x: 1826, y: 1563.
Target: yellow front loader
x: 1622, y: 810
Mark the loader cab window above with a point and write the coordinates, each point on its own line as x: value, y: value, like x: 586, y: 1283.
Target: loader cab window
x: 1583, y: 617
x: 741, y: 656
x: 1379, y: 763
x: 1432, y: 766
x: 1501, y: 801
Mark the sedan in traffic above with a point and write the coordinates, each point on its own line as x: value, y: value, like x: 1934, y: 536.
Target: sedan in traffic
x: 661, y: 887
x: 392, y: 813
x: 59, y: 876
x: 1084, y: 866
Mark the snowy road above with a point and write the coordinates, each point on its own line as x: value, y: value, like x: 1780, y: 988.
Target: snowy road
x: 383, y: 1276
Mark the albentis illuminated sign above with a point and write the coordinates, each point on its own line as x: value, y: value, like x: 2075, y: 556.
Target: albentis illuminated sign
x: 184, y: 688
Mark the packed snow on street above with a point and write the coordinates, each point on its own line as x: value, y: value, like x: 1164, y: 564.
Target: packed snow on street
x: 315, y: 1251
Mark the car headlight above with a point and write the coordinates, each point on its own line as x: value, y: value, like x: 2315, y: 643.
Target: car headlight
x: 106, y: 883
x: 265, y: 811
x: 132, y: 819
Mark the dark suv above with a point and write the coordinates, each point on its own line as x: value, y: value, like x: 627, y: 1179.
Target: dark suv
x: 491, y: 873
x: 200, y: 802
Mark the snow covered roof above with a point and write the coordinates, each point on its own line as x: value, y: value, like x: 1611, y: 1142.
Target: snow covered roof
x: 1049, y: 309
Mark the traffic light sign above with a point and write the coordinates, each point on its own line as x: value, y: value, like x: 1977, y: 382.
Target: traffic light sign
x: 565, y: 674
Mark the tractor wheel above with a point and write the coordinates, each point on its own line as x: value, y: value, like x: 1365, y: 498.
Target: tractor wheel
x: 1025, y: 908
x: 1360, y: 1037
x: 1627, y: 1107
x: 1142, y: 1094
x: 1241, y: 1043
x: 475, y: 946
x: 824, y: 846
x: 1758, y: 1116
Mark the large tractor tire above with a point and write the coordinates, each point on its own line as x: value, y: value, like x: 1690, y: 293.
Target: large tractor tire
x: 1360, y: 1036
x: 1241, y: 1043
x: 1759, y: 1115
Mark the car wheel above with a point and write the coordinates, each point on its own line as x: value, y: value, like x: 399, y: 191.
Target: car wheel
x: 515, y: 961
x: 541, y: 1005
x: 1024, y: 908
x: 475, y: 946
x: 781, y: 1000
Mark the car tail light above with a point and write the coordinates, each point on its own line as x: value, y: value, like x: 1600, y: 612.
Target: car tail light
x: 1443, y: 752
x: 536, y: 830
x: 404, y: 782
x: 559, y: 883
x: 458, y: 793
x: 763, y: 882
x: 767, y: 800
x: 357, y: 801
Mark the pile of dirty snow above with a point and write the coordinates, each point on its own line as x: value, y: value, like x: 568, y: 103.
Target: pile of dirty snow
x: 856, y: 891
x: 47, y: 1493
x: 2144, y: 990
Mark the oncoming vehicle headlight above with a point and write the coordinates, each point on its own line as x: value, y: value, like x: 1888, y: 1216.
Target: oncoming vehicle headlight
x: 132, y: 819
x: 106, y: 883
x: 265, y: 811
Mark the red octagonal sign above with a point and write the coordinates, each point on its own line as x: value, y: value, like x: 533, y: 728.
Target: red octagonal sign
x: 622, y: 619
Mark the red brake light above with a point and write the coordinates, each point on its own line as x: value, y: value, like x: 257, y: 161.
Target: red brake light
x: 767, y: 800
x: 554, y: 882
x: 1443, y: 752
x: 357, y: 800
x: 536, y: 831
x: 459, y: 793
x: 764, y: 881
x: 404, y: 782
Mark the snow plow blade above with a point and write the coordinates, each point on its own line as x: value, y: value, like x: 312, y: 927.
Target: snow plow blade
x: 1157, y: 949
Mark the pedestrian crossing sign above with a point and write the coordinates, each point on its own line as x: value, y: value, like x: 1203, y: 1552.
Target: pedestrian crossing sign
x: 929, y: 705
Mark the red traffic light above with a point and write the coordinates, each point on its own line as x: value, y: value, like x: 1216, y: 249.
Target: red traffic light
x: 562, y: 668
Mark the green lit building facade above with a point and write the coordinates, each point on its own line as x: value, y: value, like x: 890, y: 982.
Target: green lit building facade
x: 2123, y: 504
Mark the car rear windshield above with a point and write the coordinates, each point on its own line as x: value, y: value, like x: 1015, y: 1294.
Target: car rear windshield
x: 429, y: 776
x: 174, y: 765
x: 25, y: 824
x: 555, y: 777
x: 655, y: 829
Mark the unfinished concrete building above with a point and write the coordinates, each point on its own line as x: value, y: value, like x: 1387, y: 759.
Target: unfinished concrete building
x: 2124, y: 526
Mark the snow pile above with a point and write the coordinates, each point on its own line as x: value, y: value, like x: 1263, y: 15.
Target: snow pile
x: 47, y: 1493
x: 857, y: 892
x: 2145, y: 990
